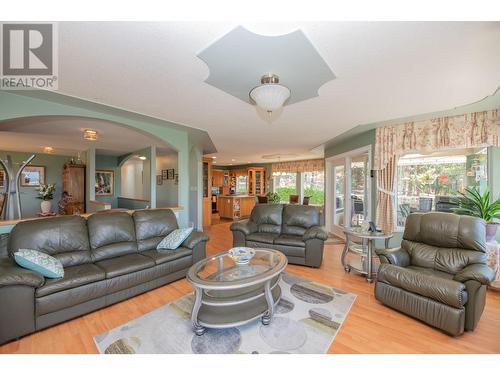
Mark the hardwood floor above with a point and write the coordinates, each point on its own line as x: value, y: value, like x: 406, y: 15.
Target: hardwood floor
x: 370, y: 327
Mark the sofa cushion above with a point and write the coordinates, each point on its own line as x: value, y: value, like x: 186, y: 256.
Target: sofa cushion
x: 289, y: 240
x: 160, y: 256
x: 42, y: 263
x: 267, y: 218
x: 298, y: 218
x: 433, y: 286
x: 64, y: 238
x: 111, y: 235
x: 262, y: 237
x: 124, y: 264
x: 151, y: 226
x: 174, y: 239
x: 73, y: 277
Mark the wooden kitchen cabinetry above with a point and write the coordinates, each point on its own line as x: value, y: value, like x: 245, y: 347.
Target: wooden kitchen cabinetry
x: 74, y: 185
x: 256, y: 181
x: 217, y: 177
x: 236, y: 207
x: 207, y: 192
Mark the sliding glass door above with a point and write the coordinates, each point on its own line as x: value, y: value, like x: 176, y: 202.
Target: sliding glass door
x: 349, y: 190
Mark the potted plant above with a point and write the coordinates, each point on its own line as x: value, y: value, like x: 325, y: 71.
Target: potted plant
x: 46, y: 194
x: 473, y: 203
x: 273, y: 197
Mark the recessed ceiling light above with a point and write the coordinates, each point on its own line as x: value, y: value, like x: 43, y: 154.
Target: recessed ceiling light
x: 142, y: 157
x: 48, y: 150
x: 90, y: 135
x: 214, y: 157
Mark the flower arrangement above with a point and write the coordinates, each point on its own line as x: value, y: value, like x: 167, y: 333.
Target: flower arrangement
x: 46, y: 192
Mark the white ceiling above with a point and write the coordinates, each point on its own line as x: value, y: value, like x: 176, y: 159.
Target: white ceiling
x: 65, y: 135
x: 384, y: 71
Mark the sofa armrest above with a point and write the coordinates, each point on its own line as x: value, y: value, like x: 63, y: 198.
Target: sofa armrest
x: 315, y: 232
x: 245, y: 226
x: 397, y: 256
x: 194, y: 239
x: 11, y: 274
x: 478, y: 272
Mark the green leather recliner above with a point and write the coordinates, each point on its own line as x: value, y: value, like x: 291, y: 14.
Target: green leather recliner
x: 439, y: 274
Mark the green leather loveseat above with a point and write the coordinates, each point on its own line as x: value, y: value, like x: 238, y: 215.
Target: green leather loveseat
x: 439, y: 274
x: 107, y: 258
x: 290, y: 228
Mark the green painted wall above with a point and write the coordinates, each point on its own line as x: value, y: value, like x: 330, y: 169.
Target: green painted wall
x: 167, y: 192
x: 110, y: 163
x: 50, y: 104
x: 349, y: 144
x: 30, y: 205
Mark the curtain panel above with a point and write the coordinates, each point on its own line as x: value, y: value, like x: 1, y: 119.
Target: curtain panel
x: 312, y: 165
x: 469, y: 130
x: 386, y: 196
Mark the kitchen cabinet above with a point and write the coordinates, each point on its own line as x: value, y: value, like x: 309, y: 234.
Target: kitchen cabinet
x: 256, y: 181
x: 207, y: 192
x: 235, y: 207
x: 74, y: 185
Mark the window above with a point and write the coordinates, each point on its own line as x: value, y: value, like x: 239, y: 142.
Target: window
x: 285, y: 185
x: 241, y: 184
x: 313, y: 185
x: 428, y: 182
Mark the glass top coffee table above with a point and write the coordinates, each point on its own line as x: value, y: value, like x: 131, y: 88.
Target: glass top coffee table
x: 228, y: 295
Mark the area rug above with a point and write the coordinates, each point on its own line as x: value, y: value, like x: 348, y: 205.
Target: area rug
x: 307, y: 319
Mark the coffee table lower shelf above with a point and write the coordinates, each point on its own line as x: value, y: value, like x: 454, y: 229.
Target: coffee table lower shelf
x: 224, y: 316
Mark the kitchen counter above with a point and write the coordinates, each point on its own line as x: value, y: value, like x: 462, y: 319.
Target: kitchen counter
x: 235, y: 206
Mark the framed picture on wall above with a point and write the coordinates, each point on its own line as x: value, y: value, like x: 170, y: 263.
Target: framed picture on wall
x: 33, y: 176
x: 164, y: 174
x: 2, y: 179
x: 159, y: 180
x: 170, y: 174
x: 104, y: 182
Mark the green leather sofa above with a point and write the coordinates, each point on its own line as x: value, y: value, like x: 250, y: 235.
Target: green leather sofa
x: 107, y: 258
x: 290, y: 228
x: 439, y: 274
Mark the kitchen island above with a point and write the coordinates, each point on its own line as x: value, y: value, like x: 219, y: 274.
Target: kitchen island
x: 235, y: 206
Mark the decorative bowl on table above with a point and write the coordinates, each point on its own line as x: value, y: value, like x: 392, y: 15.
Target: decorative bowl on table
x: 241, y: 255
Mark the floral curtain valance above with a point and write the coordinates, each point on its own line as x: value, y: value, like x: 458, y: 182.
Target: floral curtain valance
x: 313, y: 165
x: 469, y: 130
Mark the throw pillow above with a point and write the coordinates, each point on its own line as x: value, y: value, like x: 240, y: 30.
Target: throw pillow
x: 174, y: 239
x: 39, y: 262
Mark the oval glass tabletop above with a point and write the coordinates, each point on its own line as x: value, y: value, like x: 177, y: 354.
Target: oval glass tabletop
x: 221, y: 271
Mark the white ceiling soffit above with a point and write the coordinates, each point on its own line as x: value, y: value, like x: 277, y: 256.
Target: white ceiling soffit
x: 240, y: 58
x: 384, y: 70
x: 65, y: 135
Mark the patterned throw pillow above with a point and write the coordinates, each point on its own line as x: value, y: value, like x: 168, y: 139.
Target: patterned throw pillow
x: 39, y: 262
x: 174, y: 239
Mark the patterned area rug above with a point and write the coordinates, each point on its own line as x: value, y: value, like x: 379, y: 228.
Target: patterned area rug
x: 307, y: 319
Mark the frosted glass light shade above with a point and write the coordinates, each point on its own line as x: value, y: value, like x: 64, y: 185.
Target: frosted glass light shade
x: 269, y: 96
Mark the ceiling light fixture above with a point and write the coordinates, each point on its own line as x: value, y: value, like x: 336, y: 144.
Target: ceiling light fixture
x: 142, y: 157
x: 214, y: 157
x: 270, y: 95
x: 48, y: 150
x: 90, y: 135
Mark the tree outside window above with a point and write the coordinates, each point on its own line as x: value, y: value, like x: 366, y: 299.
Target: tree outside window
x: 314, y: 187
